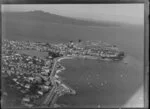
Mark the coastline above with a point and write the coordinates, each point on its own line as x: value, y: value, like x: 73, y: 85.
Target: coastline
x: 59, y: 86
x: 57, y: 80
x: 66, y: 88
x: 67, y: 98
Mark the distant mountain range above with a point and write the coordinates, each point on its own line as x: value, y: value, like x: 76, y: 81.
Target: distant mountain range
x: 45, y: 16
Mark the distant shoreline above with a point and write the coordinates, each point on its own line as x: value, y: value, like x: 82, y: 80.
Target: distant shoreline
x: 84, y: 57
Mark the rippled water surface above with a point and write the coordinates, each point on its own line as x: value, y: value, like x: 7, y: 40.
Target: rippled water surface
x: 100, y: 83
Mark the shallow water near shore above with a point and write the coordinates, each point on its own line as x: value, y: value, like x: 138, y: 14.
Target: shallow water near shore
x: 100, y: 83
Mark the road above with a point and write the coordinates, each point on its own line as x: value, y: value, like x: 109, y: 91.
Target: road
x: 52, y: 93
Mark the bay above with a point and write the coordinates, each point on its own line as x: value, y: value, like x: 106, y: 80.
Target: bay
x: 99, y: 83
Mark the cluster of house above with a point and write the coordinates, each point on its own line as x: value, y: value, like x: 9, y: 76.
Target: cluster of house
x: 28, y: 45
x: 72, y: 48
x: 18, y: 45
x: 89, y: 48
x: 29, y: 75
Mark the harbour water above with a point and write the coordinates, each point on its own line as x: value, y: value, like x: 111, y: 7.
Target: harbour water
x: 100, y: 83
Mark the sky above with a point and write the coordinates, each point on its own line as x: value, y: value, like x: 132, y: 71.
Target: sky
x: 127, y: 13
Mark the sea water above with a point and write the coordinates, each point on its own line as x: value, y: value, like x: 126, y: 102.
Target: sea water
x: 100, y: 83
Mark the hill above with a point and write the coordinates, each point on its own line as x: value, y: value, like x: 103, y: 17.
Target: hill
x: 49, y: 17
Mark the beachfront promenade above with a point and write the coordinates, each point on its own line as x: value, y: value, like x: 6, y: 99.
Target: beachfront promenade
x: 53, y: 94
x: 50, y: 95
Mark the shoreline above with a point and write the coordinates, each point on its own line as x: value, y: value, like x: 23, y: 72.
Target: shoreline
x: 127, y: 104
x: 57, y: 79
x: 58, y: 82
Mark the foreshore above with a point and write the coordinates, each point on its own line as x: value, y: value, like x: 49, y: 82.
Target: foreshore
x: 56, y: 79
x: 59, y: 88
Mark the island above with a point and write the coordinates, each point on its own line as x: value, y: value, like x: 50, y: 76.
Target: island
x: 34, y: 78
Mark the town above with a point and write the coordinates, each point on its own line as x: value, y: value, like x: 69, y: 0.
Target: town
x: 35, y: 79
